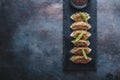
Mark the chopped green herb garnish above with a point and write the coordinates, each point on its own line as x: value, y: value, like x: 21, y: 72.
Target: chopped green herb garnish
x: 78, y: 38
x: 84, y: 16
x: 87, y: 40
x: 84, y: 54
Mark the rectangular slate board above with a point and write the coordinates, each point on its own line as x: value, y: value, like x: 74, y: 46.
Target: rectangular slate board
x: 68, y: 10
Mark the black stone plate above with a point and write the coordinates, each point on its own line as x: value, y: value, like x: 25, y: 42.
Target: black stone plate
x: 68, y: 10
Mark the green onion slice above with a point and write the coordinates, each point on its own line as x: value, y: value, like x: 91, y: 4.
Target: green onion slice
x: 84, y: 16
x: 87, y: 40
x: 84, y: 54
x: 78, y: 38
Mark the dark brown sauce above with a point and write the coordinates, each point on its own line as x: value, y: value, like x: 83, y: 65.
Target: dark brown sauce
x: 79, y: 4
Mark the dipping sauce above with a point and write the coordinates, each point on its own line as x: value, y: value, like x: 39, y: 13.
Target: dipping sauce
x: 79, y: 4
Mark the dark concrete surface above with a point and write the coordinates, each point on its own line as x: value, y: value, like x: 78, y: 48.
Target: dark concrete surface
x: 31, y: 41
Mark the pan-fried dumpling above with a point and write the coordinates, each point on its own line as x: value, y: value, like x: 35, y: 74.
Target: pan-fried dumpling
x: 80, y: 59
x: 85, y: 35
x: 80, y: 16
x: 78, y: 50
x: 81, y: 43
x: 80, y: 26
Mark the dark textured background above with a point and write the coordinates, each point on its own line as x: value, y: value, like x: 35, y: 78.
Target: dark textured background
x: 31, y: 41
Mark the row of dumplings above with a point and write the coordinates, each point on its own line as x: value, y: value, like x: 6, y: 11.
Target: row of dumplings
x: 80, y: 34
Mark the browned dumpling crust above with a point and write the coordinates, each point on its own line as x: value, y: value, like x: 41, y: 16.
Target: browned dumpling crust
x: 85, y: 36
x: 82, y: 43
x: 80, y: 59
x: 78, y: 18
x: 78, y: 50
x: 80, y: 26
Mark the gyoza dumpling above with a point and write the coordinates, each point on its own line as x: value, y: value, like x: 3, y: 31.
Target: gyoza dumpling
x: 79, y: 50
x: 80, y: 26
x: 81, y: 43
x: 80, y: 16
x: 80, y: 59
x: 85, y: 34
